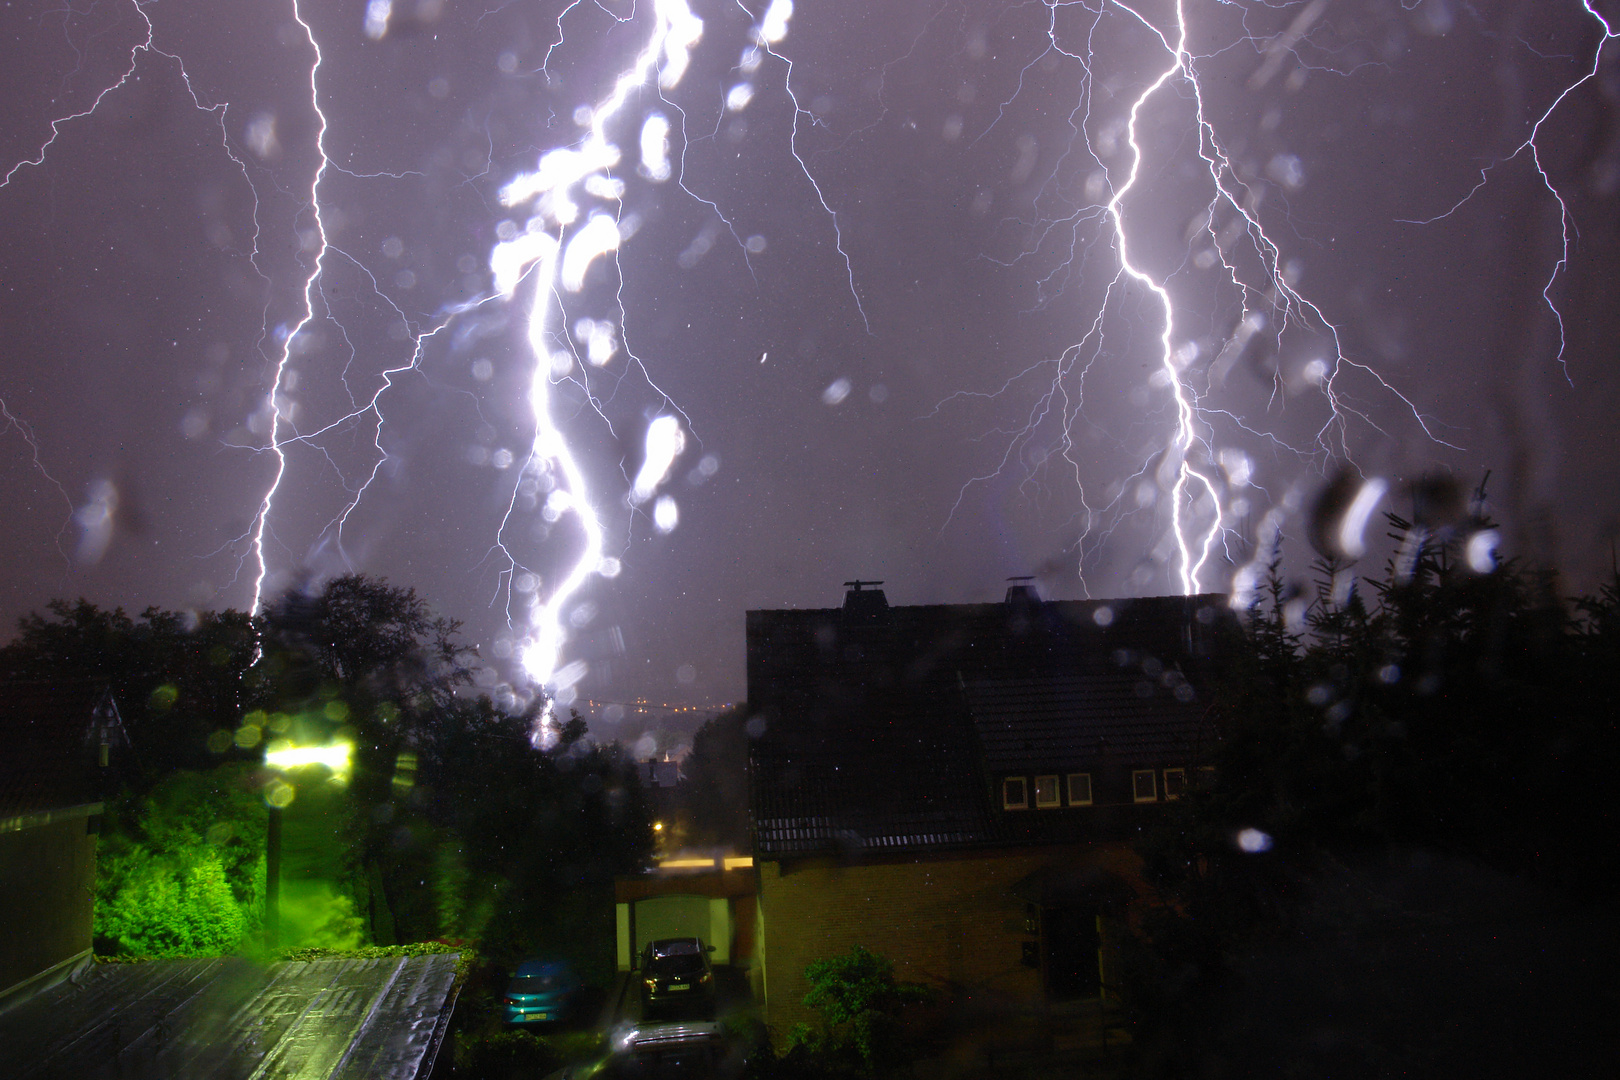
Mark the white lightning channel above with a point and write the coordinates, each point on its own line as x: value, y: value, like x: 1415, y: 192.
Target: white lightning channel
x: 1532, y: 148
x: 553, y: 254
x: 1184, y: 465
x: 278, y: 421
x: 1185, y: 434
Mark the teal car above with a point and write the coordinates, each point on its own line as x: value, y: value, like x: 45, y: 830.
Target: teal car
x: 541, y: 991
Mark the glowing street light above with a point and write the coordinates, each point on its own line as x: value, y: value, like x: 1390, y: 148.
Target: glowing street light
x: 284, y: 756
x: 336, y: 757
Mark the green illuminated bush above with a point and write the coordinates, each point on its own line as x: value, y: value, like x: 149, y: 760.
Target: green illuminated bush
x: 172, y: 905
x: 181, y: 872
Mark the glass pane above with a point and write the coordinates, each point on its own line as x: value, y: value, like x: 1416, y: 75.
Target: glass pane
x: 1143, y: 785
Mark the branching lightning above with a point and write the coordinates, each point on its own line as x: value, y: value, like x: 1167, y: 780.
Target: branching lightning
x: 569, y: 216
x: 566, y: 219
x: 1532, y: 148
x: 575, y: 200
x: 277, y: 449
x: 1203, y: 491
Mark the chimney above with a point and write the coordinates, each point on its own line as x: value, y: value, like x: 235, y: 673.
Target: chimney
x: 864, y: 602
x: 1021, y: 592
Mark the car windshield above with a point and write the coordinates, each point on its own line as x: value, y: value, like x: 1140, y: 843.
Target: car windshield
x: 534, y: 984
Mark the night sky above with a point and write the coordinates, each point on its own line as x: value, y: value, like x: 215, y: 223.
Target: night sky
x: 970, y: 389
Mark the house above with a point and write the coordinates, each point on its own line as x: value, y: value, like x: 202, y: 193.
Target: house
x: 955, y: 787
x: 58, y: 746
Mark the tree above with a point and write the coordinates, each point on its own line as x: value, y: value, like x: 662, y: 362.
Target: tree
x: 369, y: 662
x: 538, y: 834
x: 177, y: 679
x: 716, y: 788
x: 1455, y: 731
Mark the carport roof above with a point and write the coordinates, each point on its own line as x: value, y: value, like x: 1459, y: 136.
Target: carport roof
x: 229, y: 1019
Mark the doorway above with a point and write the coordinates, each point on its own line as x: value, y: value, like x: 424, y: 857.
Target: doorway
x: 1070, y: 943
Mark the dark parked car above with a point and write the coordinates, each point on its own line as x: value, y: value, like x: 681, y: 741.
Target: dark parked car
x: 541, y: 991
x: 674, y: 969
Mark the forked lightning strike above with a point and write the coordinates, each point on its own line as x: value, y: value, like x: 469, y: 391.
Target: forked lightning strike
x: 1184, y: 464
x: 575, y: 202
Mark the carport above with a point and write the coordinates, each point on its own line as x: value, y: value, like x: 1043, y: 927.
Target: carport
x: 706, y: 901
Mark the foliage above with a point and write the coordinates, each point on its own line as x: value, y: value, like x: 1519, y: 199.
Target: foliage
x: 314, y: 914
x: 860, y: 1002
x: 538, y: 833
x: 181, y: 871
x: 1452, y: 712
x: 453, y: 823
x: 369, y: 662
x: 176, y: 678
x: 504, y: 1055
x: 716, y: 788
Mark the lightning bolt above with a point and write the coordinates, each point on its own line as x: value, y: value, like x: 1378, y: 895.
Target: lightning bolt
x: 574, y: 200
x: 25, y: 431
x: 278, y: 418
x: 1199, y: 489
x: 564, y: 216
x: 1532, y: 149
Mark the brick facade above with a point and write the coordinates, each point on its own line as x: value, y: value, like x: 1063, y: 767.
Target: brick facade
x: 953, y: 922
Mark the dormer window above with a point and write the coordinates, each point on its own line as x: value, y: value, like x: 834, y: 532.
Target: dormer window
x: 1175, y: 783
x: 1046, y: 792
x: 1144, y: 787
x: 1079, y: 789
x: 1015, y: 793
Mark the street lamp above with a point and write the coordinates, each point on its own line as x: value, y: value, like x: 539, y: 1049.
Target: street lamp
x: 283, y: 756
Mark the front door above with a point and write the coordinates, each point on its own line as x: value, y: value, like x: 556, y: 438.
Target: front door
x: 1070, y: 942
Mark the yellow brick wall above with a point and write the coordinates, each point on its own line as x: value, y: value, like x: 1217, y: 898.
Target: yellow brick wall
x: 951, y: 923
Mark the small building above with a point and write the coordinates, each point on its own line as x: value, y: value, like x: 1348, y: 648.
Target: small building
x: 711, y: 896
x: 58, y: 744
x: 955, y: 787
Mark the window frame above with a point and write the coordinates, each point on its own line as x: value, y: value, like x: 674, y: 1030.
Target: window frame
x: 1068, y: 785
x: 1136, y: 785
x: 1180, y: 773
x: 1057, y: 792
x: 1023, y: 787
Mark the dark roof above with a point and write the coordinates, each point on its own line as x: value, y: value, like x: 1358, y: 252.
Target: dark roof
x: 50, y: 735
x: 885, y: 727
x: 1063, y: 722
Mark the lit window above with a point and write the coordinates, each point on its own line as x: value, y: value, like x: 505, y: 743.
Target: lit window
x: 1014, y: 793
x: 1143, y: 786
x: 1046, y: 791
x: 1175, y: 783
x: 1079, y: 789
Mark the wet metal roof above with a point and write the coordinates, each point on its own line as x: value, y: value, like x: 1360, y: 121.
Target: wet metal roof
x: 223, y: 1019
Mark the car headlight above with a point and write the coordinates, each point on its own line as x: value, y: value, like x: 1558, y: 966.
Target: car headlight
x: 650, y: 983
